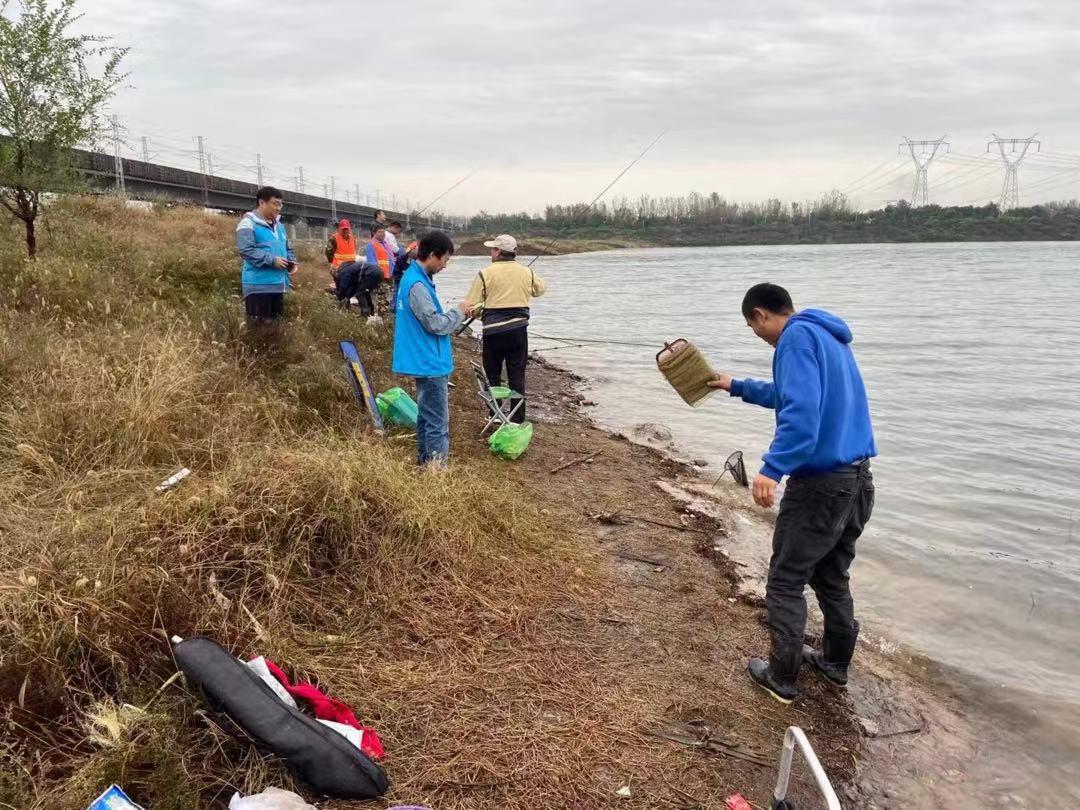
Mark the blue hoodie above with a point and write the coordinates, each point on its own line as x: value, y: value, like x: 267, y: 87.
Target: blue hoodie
x: 822, y: 416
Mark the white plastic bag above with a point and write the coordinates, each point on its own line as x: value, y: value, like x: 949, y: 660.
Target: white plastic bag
x: 353, y: 735
x: 270, y: 799
x: 259, y: 667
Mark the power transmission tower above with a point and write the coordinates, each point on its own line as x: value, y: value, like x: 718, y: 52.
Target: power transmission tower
x: 356, y: 188
x: 209, y: 164
x: 119, y: 161
x: 202, y: 170
x: 1010, y: 188
x: 146, y: 148
x: 333, y: 199
x: 920, y: 192
x: 258, y: 166
x: 301, y: 170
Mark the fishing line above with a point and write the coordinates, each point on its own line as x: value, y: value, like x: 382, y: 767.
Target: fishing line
x: 533, y: 349
x: 596, y: 341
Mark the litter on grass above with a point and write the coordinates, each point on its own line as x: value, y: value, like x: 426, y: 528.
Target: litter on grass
x: 172, y: 481
x: 270, y: 799
x: 113, y: 799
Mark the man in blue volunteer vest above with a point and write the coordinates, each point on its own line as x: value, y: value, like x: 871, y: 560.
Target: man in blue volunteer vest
x: 422, y: 344
x: 269, y: 260
x: 823, y: 443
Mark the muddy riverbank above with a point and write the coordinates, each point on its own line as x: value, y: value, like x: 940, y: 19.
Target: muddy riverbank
x: 907, y: 733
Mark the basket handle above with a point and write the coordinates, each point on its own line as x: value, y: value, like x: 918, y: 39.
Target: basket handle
x: 669, y: 346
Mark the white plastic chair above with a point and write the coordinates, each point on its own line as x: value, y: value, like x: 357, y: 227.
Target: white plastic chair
x: 793, y: 737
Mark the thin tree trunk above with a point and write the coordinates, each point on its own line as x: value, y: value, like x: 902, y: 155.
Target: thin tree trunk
x: 31, y: 238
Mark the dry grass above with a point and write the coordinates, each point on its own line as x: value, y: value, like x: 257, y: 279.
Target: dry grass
x: 505, y: 662
x: 423, y: 600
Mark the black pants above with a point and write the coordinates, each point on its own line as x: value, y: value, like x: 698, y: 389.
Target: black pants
x: 821, y: 517
x: 358, y: 280
x: 511, y: 348
x: 264, y: 306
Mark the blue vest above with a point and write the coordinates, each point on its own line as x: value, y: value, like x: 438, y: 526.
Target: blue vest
x: 417, y: 352
x: 275, y: 240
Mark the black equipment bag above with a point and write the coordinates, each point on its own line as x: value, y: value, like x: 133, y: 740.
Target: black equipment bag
x: 318, y: 755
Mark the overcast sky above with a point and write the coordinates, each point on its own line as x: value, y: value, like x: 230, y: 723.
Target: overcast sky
x: 549, y: 100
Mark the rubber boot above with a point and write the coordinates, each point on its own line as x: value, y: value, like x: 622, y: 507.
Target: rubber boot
x: 778, y: 675
x: 832, y: 662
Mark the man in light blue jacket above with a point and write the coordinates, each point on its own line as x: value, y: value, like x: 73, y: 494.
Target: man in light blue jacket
x: 269, y: 260
x: 422, y: 345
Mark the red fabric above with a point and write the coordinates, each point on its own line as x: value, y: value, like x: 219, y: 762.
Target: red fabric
x: 737, y: 802
x: 327, y: 708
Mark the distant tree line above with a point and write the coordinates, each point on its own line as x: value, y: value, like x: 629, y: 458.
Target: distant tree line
x: 700, y: 219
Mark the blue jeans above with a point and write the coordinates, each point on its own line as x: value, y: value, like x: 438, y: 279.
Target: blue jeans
x: 432, y: 419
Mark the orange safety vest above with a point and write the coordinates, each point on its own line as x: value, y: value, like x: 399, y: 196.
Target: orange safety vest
x: 382, y: 256
x: 345, y: 250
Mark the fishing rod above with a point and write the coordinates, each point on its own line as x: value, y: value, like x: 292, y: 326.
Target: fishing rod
x: 607, y: 188
x: 458, y: 183
x: 588, y: 208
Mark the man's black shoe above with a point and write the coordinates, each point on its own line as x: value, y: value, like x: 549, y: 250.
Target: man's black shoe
x: 760, y: 673
x: 779, y: 674
x: 832, y: 661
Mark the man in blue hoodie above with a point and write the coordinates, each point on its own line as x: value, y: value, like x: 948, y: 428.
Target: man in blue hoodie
x: 823, y: 443
x: 422, y: 345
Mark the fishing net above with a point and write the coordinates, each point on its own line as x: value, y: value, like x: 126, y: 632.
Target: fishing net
x: 737, y: 467
x: 685, y: 367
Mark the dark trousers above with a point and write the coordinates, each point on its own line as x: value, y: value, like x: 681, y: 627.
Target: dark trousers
x: 821, y: 517
x: 358, y: 280
x: 512, y: 349
x: 264, y: 306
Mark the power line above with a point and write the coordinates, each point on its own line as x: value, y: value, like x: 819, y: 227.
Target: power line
x: 892, y: 166
x: 857, y: 181
x: 886, y: 182
x: 1057, y: 180
x: 967, y: 176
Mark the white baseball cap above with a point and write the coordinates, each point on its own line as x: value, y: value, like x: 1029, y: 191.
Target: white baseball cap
x: 504, y: 242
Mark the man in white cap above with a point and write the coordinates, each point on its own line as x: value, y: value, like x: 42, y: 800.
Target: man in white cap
x: 504, y: 290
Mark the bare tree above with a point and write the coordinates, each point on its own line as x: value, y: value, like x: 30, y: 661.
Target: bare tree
x: 51, y: 100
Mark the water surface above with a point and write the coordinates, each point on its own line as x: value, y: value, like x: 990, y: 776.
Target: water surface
x: 971, y: 354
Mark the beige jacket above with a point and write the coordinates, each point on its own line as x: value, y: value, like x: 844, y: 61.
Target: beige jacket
x: 506, y: 285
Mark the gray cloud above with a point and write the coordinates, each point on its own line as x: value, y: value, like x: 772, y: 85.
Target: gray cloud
x: 766, y: 98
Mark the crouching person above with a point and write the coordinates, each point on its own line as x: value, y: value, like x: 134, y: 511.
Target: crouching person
x: 354, y: 283
x: 422, y: 344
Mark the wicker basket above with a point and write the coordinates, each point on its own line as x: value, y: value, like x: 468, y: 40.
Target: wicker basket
x: 686, y: 369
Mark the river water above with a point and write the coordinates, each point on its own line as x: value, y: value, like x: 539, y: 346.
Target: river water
x: 971, y: 355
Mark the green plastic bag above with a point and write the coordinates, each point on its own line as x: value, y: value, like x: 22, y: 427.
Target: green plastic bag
x: 397, y: 407
x: 510, y: 441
